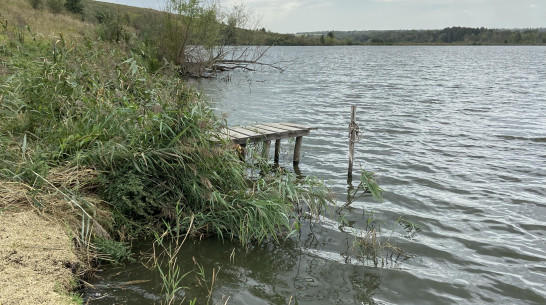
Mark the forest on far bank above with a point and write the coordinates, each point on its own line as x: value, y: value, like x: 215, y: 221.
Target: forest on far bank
x: 120, y: 20
x: 451, y: 35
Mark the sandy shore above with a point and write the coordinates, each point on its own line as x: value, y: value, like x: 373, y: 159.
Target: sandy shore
x: 36, y: 259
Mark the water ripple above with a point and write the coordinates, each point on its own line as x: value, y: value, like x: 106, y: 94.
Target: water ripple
x: 457, y: 137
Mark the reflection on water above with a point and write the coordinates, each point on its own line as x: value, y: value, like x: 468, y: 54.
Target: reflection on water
x: 456, y: 136
x: 262, y: 274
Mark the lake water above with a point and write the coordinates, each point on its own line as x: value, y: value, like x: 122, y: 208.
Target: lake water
x: 457, y: 138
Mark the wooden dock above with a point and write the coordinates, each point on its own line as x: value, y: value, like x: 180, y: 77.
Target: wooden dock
x: 268, y: 132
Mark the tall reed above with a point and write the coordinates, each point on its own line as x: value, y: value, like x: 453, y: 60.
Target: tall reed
x: 152, y: 139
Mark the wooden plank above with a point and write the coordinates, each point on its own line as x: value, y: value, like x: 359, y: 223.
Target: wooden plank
x: 236, y: 135
x: 271, y: 137
x: 285, y: 132
x: 267, y: 132
x: 246, y: 135
x: 225, y: 132
x: 270, y: 128
x: 264, y: 130
x: 284, y: 127
x: 299, y: 126
x: 245, y: 131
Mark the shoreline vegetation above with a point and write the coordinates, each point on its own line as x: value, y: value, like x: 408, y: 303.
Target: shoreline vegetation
x: 108, y: 144
x: 103, y: 141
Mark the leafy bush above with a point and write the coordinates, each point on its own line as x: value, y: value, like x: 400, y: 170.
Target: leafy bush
x: 111, y: 27
x: 55, y: 6
x: 74, y: 6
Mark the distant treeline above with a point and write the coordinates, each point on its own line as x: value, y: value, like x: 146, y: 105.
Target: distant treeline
x: 119, y: 21
x: 452, y: 35
x: 145, y: 22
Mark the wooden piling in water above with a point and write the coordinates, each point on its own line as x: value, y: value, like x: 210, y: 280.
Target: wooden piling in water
x: 352, y: 140
x: 277, y: 150
x: 297, y: 150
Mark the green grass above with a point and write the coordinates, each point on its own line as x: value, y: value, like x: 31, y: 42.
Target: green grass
x: 85, y: 104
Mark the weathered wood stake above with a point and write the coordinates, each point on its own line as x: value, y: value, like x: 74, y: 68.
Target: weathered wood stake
x: 352, y: 139
x: 265, y: 149
x: 277, y: 150
x: 297, y: 149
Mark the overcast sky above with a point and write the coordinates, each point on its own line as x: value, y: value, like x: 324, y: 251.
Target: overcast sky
x: 291, y: 16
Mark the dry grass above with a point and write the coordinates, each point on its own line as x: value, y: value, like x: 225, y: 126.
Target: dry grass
x: 41, y: 22
x: 37, y: 261
x: 73, y: 178
x: 14, y: 194
x: 39, y: 231
x: 56, y: 199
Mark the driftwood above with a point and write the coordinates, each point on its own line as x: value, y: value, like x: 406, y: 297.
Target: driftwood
x: 200, y: 64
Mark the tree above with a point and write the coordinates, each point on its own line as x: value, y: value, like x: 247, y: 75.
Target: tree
x: 516, y: 37
x: 198, y: 37
x: 74, y: 6
x: 330, y: 38
x: 189, y: 34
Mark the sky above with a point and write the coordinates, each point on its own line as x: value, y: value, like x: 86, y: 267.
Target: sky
x: 293, y: 16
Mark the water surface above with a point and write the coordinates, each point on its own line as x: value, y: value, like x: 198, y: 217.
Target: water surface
x: 457, y: 137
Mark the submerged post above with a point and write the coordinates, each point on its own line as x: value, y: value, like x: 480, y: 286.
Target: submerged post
x: 277, y: 150
x: 352, y: 140
x: 297, y: 149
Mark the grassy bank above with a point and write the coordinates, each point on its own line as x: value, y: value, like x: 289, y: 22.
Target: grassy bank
x: 145, y: 142
x: 110, y: 149
x: 101, y: 142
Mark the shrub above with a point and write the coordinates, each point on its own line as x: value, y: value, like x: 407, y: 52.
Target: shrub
x: 74, y: 6
x: 55, y: 6
x: 111, y: 28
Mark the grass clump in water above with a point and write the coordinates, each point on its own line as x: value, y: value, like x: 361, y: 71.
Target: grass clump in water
x: 115, y: 251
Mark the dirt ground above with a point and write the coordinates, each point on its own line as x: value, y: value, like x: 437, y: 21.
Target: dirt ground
x: 36, y: 258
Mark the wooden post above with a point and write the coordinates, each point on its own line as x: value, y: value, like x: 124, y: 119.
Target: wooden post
x: 277, y: 150
x: 265, y: 149
x: 297, y: 171
x: 242, y: 152
x: 297, y: 150
x: 352, y: 139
